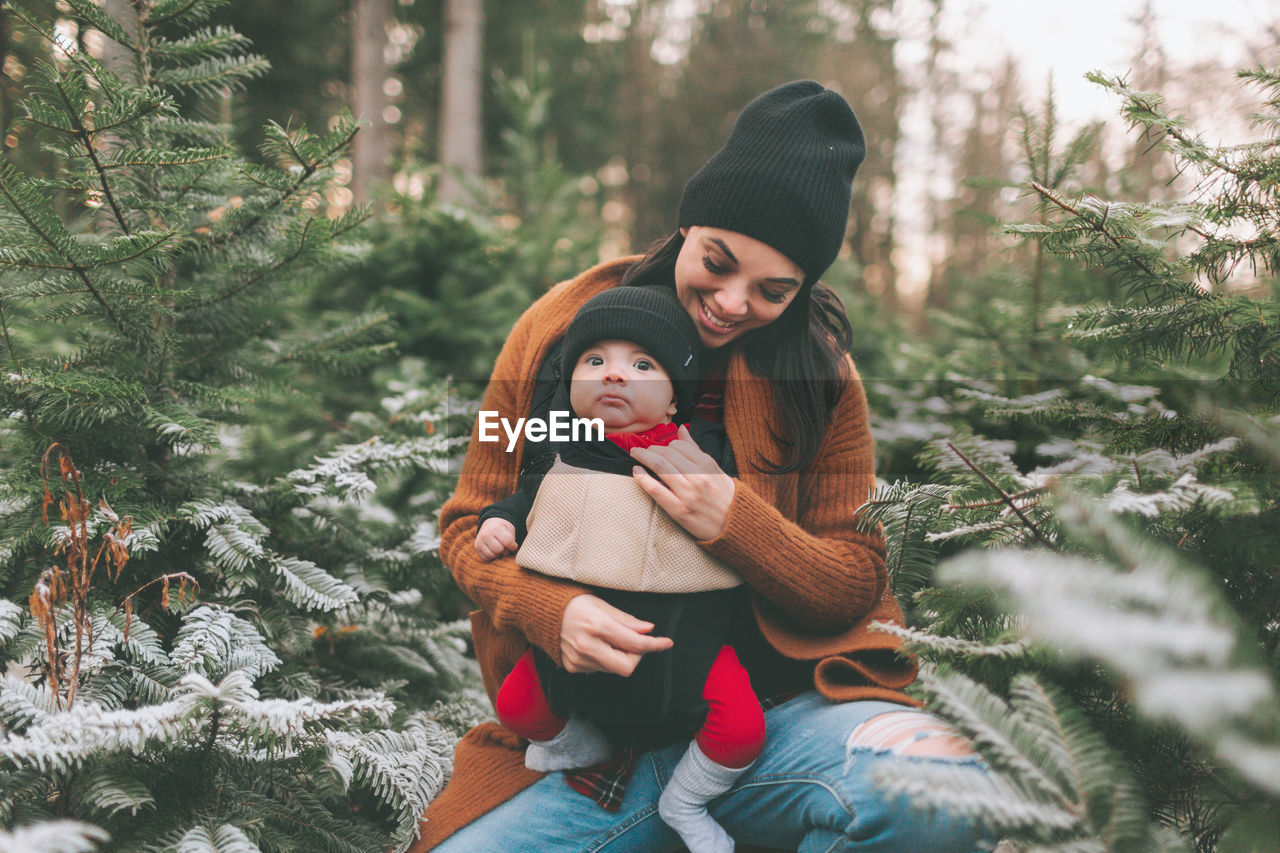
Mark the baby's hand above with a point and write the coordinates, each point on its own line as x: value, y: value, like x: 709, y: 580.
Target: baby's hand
x: 497, y: 536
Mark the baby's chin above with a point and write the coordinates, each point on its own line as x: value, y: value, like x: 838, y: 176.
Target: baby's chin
x: 608, y: 430
x: 625, y: 427
x: 613, y: 423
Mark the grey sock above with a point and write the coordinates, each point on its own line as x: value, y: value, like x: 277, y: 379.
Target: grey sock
x: 683, y: 805
x: 579, y: 744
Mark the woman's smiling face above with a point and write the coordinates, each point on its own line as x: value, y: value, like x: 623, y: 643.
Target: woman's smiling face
x: 731, y: 283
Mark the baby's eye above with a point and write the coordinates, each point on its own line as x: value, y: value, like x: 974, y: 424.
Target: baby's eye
x: 593, y: 360
x: 644, y: 364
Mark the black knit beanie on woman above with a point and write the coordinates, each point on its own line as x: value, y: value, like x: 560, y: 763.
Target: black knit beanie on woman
x: 783, y: 175
x: 650, y: 317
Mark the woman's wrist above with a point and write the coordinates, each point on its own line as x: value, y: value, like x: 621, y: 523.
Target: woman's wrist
x: 719, y: 503
x: 731, y: 507
x: 530, y: 603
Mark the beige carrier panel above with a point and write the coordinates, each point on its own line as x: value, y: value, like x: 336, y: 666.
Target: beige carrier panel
x: 602, y: 529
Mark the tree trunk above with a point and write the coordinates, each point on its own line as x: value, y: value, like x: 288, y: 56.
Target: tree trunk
x: 6, y: 101
x: 865, y: 68
x: 460, y: 102
x: 640, y: 139
x: 116, y: 57
x: 370, y: 155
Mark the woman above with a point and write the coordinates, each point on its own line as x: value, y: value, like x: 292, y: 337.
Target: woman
x: 759, y: 224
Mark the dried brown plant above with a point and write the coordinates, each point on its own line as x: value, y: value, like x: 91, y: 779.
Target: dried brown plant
x: 70, y: 584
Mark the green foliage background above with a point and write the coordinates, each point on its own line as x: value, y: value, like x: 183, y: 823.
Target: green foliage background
x: 1087, y: 553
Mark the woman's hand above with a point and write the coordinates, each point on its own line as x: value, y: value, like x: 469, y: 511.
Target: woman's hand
x: 595, y: 636
x: 692, y: 489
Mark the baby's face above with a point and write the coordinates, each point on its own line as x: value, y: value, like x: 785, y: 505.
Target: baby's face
x: 622, y: 385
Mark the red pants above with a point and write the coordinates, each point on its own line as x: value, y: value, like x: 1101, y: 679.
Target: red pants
x: 732, y: 734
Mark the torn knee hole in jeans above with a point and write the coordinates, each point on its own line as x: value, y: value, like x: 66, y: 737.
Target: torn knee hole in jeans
x: 910, y: 733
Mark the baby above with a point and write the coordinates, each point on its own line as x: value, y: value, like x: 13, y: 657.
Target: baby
x: 630, y: 358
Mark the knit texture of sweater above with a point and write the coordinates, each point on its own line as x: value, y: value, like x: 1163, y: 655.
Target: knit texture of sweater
x: 816, y: 581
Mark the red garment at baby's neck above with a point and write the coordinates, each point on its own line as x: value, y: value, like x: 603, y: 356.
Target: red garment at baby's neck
x: 661, y: 435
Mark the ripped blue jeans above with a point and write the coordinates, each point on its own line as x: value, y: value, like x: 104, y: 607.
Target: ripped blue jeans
x: 810, y: 790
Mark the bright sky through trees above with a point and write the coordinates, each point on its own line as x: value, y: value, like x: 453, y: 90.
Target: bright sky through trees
x: 1069, y: 40
x: 1062, y: 43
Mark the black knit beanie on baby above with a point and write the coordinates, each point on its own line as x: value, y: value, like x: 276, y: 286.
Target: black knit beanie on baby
x: 783, y: 175
x: 649, y: 317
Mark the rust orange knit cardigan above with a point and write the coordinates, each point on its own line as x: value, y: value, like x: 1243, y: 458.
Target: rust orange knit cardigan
x: 816, y: 581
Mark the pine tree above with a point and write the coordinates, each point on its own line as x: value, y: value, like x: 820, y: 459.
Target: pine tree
x: 1114, y: 575
x: 197, y: 662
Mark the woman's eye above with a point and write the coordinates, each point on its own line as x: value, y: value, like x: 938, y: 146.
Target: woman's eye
x: 775, y: 298
x: 712, y: 266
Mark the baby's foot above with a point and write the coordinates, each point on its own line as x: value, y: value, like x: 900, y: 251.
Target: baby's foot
x: 696, y: 781
x: 579, y: 744
x: 697, y: 829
